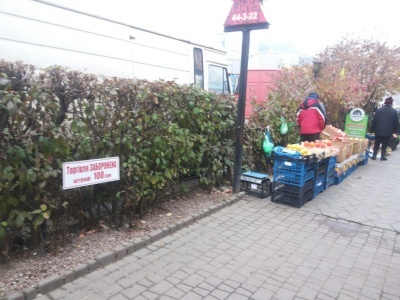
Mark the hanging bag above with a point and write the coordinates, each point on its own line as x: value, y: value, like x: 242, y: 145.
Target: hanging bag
x: 268, y: 144
x: 284, y: 126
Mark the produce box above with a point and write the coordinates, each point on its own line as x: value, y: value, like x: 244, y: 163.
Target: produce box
x: 348, y: 149
x: 364, y: 145
x: 326, y: 136
x: 331, y: 132
x: 357, y: 145
x: 331, y: 151
x: 341, y: 154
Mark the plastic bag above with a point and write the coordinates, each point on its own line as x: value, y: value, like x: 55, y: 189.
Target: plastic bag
x: 284, y: 126
x: 268, y: 144
x: 281, y: 151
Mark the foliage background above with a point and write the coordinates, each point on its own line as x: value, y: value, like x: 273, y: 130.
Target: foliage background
x: 161, y: 131
x: 355, y: 73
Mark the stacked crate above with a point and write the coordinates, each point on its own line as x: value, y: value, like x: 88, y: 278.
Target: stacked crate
x: 330, y: 172
x: 364, y: 158
x: 320, y: 176
x: 346, y: 169
x: 293, y: 182
x: 351, y: 166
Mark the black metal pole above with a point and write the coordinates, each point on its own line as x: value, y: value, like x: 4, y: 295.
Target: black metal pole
x: 241, y: 111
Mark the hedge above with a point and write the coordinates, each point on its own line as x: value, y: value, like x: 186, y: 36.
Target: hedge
x: 161, y: 131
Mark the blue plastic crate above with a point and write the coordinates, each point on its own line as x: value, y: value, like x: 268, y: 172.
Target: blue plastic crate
x: 320, y: 171
x: 322, y: 163
x: 339, y: 179
x: 293, y: 190
x: 364, y: 161
x: 293, y: 178
x: 319, y: 185
x: 329, y: 182
x: 292, y: 199
x: 293, y: 167
x: 329, y: 178
x: 331, y: 163
x: 320, y: 168
x: 351, y: 170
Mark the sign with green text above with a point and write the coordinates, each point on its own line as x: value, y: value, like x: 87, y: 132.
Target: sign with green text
x: 356, y: 123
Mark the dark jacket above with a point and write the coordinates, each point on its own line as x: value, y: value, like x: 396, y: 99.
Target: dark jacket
x: 311, y: 116
x: 385, y: 121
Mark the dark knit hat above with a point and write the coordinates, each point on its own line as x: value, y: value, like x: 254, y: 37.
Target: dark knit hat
x: 312, y: 95
x: 389, y: 101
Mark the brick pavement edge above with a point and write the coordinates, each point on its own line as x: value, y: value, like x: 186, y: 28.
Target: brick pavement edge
x: 48, y: 284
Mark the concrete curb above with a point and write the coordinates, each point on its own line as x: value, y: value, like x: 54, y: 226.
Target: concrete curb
x: 51, y: 283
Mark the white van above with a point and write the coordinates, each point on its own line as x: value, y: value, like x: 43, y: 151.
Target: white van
x: 44, y: 34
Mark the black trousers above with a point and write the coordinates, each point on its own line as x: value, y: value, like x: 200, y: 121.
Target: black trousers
x: 309, y: 137
x: 381, y: 140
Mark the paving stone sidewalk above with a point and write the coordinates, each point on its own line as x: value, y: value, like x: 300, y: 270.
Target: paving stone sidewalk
x: 254, y: 250
x: 369, y: 196
x: 343, y: 244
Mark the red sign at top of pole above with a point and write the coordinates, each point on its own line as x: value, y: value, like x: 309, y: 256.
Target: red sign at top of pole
x: 245, y: 12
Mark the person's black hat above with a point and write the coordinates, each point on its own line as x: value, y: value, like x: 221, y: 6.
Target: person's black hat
x: 389, y: 101
x: 313, y: 95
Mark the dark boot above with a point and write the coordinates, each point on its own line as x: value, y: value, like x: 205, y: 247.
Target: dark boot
x: 374, y: 154
x: 383, y: 154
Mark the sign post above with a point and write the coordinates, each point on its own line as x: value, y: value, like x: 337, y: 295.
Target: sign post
x: 245, y: 15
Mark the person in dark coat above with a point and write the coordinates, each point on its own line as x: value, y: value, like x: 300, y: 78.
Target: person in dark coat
x: 311, y: 117
x: 385, y: 124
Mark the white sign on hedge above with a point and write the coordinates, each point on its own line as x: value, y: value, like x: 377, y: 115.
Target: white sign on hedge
x: 89, y: 172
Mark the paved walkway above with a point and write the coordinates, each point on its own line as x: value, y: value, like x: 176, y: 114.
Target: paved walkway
x: 369, y: 196
x: 344, y: 244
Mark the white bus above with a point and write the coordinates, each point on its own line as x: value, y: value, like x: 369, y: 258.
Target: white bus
x: 44, y: 34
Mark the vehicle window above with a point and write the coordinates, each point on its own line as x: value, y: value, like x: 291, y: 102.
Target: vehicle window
x: 198, y: 67
x: 218, y: 79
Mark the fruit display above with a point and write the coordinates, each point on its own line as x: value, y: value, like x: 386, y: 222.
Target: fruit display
x: 338, y: 144
x: 303, y: 170
x: 319, y: 148
x: 318, y: 144
x: 299, y: 148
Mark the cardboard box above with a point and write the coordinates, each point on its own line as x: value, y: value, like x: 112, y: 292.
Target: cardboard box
x: 341, y: 153
x: 331, y: 151
x: 365, y: 143
x: 346, y: 147
x: 326, y: 136
x: 331, y: 132
x: 357, y: 145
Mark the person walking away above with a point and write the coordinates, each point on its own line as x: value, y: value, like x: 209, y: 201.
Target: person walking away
x: 385, y: 124
x: 311, y: 117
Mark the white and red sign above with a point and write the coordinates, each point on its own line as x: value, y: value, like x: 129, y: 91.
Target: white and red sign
x: 245, y: 12
x: 90, y: 172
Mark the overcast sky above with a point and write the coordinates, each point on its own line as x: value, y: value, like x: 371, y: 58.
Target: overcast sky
x: 308, y: 25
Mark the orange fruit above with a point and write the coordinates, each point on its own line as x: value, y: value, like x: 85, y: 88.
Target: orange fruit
x: 312, y: 144
x: 306, y: 144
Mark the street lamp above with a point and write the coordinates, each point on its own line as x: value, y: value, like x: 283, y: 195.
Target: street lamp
x: 317, y: 65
